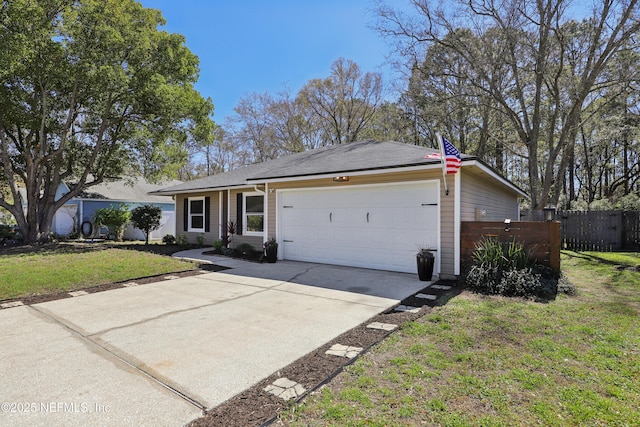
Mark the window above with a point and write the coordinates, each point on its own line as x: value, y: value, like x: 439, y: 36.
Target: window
x: 196, y: 214
x: 254, y: 213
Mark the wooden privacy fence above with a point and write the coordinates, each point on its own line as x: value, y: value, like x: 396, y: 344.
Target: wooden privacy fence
x: 540, y: 239
x: 596, y: 230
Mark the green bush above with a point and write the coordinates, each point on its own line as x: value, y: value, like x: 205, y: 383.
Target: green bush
x: 245, y: 250
x: 492, y: 253
x: 115, y: 218
x: 519, y: 283
x: 169, y: 239
x: 483, y: 279
x: 7, y: 231
x: 565, y: 286
x: 504, y: 269
x: 147, y: 218
x: 218, y: 245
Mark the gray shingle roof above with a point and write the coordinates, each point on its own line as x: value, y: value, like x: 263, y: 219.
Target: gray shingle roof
x: 334, y: 159
x: 134, y: 190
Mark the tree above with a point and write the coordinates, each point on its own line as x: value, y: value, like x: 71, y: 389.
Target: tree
x: 90, y: 91
x: 338, y: 109
x: 115, y: 218
x: 146, y: 218
x: 345, y: 101
x: 540, y: 69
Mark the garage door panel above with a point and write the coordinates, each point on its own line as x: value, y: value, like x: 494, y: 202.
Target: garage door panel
x: 368, y: 226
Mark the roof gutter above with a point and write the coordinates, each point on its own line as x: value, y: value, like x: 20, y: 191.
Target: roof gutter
x: 359, y: 172
x: 205, y: 189
x: 253, y: 183
x: 495, y: 175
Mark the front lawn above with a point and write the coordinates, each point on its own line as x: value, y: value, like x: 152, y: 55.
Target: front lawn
x: 495, y: 361
x: 67, y: 267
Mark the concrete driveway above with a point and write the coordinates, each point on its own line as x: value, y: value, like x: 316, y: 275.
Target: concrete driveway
x: 161, y: 353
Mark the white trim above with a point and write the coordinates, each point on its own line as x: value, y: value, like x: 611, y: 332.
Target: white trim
x: 188, y: 213
x: 347, y: 173
x: 496, y: 176
x: 457, y: 214
x: 347, y: 187
x: 278, y: 225
x: 438, y: 262
x: 220, y: 204
x: 250, y: 183
x: 434, y: 182
x: 265, y: 208
x: 228, y: 211
x: 206, y: 189
x: 245, y: 232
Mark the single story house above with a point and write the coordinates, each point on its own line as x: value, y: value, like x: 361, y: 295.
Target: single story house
x: 365, y: 204
x: 132, y: 192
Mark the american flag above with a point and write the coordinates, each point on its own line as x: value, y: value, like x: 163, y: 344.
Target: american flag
x: 452, y: 157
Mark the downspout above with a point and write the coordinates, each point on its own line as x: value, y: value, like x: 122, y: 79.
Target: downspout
x: 221, y: 225
x: 266, y: 232
x: 228, y: 210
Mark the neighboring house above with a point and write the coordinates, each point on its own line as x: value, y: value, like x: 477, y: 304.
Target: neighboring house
x: 135, y: 192
x: 364, y: 204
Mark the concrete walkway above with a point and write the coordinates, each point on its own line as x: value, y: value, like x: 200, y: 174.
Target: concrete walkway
x: 161, y: 353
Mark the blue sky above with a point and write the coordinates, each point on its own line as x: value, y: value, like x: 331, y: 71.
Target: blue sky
x: 248, y: 46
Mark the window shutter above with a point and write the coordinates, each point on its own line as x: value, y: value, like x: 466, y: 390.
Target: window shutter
x: 185, y: 214
x: 207, y: 214
x: 239, y: 200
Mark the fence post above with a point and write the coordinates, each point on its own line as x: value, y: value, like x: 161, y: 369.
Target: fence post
x: 554, y: 245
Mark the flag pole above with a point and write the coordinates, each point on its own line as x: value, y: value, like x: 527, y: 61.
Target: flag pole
x: 444, y: 163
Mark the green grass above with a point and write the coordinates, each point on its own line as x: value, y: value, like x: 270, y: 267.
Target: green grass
x: 67, y: 268
x: 494, y: 361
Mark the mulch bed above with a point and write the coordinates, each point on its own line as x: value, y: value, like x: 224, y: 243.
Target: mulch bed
x: 167, y: 250
x: 38, y: 298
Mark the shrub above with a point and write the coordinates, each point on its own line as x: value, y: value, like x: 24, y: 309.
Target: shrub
x: 115, y: 218
x: 492, y: 253
x: 519, y: 283
x: 146, y: 218
x: 245, y: 250
x: 200, y: 240
x: 182, y: 240
x: 504, y: 269
x: 565, y: 286
x: 482, y: 278
x: 218, y: 245
x: 7, y: 232
x: 169, y: 239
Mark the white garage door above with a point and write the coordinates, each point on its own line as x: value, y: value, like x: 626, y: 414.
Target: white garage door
x: 374, y: 226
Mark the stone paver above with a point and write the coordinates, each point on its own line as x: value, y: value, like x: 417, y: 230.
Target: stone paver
x: 171, y: 277
x: 11, y: 304
x: 427, y: 296
x: 382, y: 326
x: 285, y: 389
x: 129, y: 284
x: 408, y: 308
x: 441, y: 287
x: 78, y: 293
x: 344, y: 351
